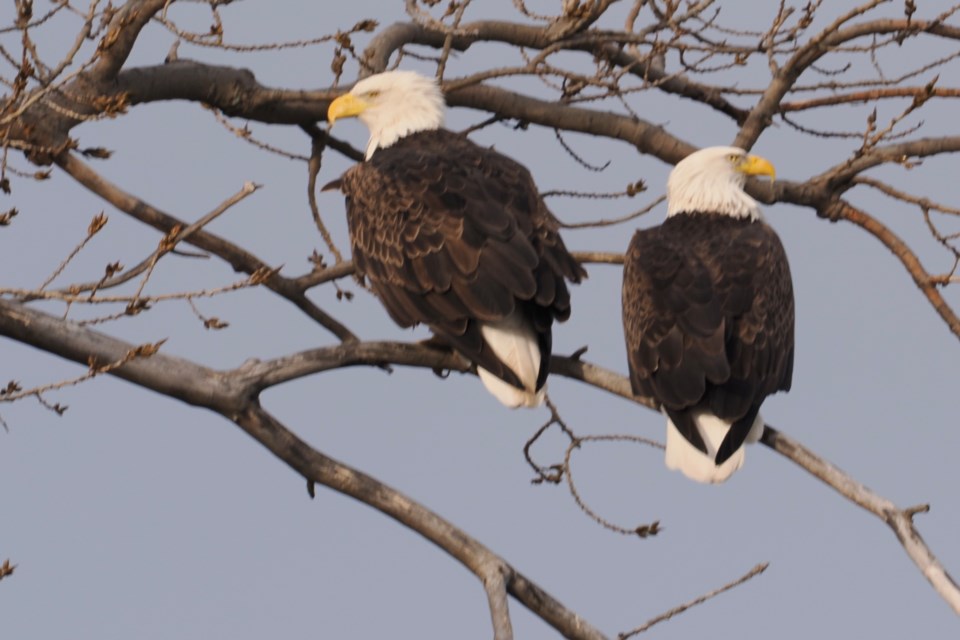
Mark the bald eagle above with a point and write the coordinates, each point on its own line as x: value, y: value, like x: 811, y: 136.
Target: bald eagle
x: 708, y: 313
x: 454, y: 235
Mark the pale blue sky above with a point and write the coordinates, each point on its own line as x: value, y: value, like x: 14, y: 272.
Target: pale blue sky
x: 137, y: 517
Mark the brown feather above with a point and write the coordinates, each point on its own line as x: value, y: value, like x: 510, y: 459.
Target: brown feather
x: 451, y: 234
x: 708, y: 316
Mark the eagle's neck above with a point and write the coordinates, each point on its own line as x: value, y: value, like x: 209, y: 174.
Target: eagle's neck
x: 401, y: 120
x: 711, y: 194
x: 383, y: 138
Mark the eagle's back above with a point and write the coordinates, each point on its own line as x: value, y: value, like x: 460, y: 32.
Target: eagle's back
x: 708, y: 315
x: 450, y: 234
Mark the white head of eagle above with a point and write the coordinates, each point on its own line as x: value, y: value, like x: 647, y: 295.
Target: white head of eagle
x: 708, y: 313
x: 455, y: 236
x: 391, y: 105
x: 712, y: 180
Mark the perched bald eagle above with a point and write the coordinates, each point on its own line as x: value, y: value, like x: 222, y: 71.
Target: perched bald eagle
x: 454, y: 236
x: 708, y: 313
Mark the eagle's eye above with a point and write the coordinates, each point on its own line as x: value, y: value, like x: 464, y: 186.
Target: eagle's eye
x: 372, y: 94
x: 734, y: 158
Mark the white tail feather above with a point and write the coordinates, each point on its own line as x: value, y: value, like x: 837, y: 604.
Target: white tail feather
x: 697, y: 465
x: 515, y: 343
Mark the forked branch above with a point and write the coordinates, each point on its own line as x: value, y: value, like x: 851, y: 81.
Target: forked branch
x: 233, y: 394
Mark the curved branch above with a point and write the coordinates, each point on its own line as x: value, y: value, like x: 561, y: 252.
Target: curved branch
x: 910, y: 261
x: 233, y: 394
x: 900, y: 520
x: 237, y: 93
x: 495, y: 584
x: 389, y: 40
x: 319, y: 468
x: 229, y: 394
x: 645, y: 136
x: 831, y: 37
x: 841, y: 175
x: 121, y: 35
x: 269, y: 373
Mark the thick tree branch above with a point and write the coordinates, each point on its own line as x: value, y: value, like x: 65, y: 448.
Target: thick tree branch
x: 170, y: 376
x: 316, y: 467
x: 121, y: 35
x: 646, y: 137
x: 40, y: 116
x: 234, y: 91
x: 232, y: 395
x: 237, y: 93
x: 389, y: 40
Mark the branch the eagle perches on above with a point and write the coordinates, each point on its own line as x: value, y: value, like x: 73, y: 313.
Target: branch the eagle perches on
x: 38, y: 119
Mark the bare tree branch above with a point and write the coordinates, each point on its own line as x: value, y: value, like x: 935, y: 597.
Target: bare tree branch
x: 666, y: 49
x: 238, y: 258
x: 121, y: 35
x: 234, y: 395
x: 495, y: 585
x: 7, y: 569
x: 900, y: 520
x: 757, y: 570
x: 923, y: 280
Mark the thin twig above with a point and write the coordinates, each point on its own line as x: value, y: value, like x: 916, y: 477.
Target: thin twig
x: 6, y: 569
x: 757, y: 570
x: 93, y: 229
x: 318, y: 138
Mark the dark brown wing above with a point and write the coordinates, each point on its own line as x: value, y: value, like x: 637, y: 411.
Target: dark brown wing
x: 449, y: 234
x: 708, y: 318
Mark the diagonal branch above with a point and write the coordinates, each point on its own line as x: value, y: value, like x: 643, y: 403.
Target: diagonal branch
x: 240, y: 259
x: 827, y: 41
x: 755, y: 571
x: 317, y: 467
x: 900, y: 520
x: 927, y: 284
x: 645, y: 136
x: 231, y: 395
x: 389, y: 40
x: 121, y: 35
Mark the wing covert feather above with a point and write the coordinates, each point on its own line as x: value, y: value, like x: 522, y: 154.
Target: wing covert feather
x: 708, y: 314
x: 450, y: 233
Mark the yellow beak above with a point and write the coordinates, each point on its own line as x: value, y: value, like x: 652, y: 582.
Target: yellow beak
x: 346, y: 106
x: 754, y: 166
